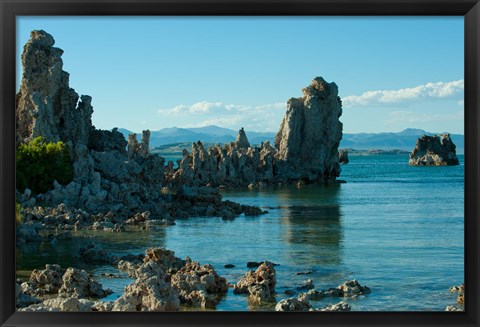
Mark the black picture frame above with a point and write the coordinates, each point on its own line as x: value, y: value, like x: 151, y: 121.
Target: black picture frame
x: 470, y: 9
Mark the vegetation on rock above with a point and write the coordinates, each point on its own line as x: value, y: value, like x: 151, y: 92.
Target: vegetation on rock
x: 18, y: 213
x: 40, y: 163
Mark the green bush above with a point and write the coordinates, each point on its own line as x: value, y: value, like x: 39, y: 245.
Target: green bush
x: 18, y: 213
x: 39, y: 163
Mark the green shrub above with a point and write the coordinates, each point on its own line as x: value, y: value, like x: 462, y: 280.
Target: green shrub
x: 39, y: 163
x: 18, y: 213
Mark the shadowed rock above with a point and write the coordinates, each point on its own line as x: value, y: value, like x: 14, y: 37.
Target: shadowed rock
x: 437, y: 150
x: 343, y: 156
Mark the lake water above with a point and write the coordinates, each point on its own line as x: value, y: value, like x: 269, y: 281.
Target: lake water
x: 396, y: 229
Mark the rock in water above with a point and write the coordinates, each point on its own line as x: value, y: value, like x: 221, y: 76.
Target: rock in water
x: 310, y: 133
x: 343, y: 156
x: 437, y: 150
x: 307, y: 144
x: 199, y: 286
x: 260, y: 285
x: 293, y: 304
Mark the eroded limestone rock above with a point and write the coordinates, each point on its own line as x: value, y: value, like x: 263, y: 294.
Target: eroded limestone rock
x: 47, y: 281
x: 307, y: 144
x: 353, y: 288
x: 151, y: 291
x: 165, y: 259
x: 199, y: 285
x: 77, y: 283
x: 259, y: 284
x: 22, y: 299
x: 293, y: 304
x: 46, y: 105
x: 339, y: 307
x: 437, y: 150
x: 309, y: 135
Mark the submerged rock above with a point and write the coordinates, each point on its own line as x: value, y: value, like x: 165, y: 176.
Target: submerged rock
x: 253, y: 264
x: 351, y: 288
x: 437, y: 150
x: 92, y: 253
x: 307, y: 285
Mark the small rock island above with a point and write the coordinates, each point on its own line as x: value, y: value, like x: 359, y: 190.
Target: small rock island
x: 436, y: 150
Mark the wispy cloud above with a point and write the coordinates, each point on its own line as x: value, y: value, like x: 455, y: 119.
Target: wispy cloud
x: 416, y: 117
x: 267, y: 117
x: 388, y: 97
x: 202, y: 107
x: 206, y: 113
x: 205, y: 107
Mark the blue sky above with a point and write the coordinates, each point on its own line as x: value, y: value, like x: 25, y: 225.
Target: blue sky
x: 156, y: 72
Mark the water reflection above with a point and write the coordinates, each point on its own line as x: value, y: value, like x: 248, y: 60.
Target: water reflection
x: 311, y: 219
x: 36, y: 255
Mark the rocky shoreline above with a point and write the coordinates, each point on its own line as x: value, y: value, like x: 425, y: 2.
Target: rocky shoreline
x: 114, y: 175
x: 164, y: 282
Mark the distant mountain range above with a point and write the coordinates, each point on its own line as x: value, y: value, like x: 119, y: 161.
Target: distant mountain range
x: 208, y: 134
x: 404, y: 140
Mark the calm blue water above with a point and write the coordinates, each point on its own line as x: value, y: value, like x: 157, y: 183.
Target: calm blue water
x: 397, y: 229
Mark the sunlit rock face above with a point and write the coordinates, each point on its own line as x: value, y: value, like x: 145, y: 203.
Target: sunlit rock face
x: 309, y: 135
x: 105, y: 176
x: 46, y: 105
x: 437, y: 150
x: 306, y: 148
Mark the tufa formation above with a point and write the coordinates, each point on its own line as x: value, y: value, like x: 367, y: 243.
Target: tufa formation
x: 114, y: 174
x: 437, y: 150
x: 306, y: 148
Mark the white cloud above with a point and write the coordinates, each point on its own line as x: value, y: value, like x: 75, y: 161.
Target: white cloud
x: 385, y: 97
x: 220, y: 121
x: 234, y: 116
x: 267, y: 117
x: 202, y: 107
x: 415, y: 117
